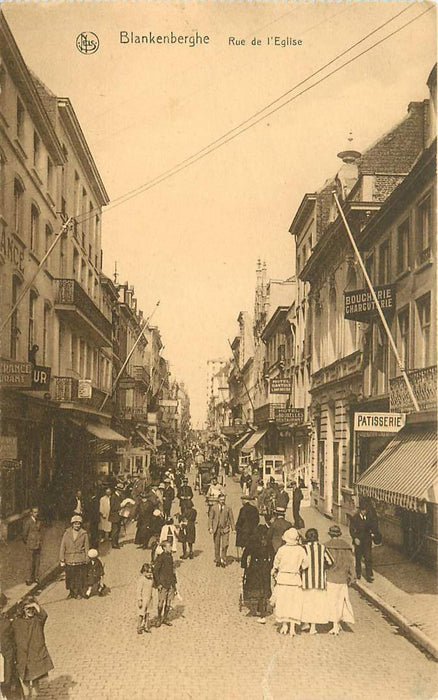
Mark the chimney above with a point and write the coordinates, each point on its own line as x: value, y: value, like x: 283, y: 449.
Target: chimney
x: 349, y: 170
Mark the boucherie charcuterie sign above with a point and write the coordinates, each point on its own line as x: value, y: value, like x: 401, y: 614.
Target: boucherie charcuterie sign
x: 359, y: 304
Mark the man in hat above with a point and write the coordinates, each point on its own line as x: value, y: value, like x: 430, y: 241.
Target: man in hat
x: 281, y: 497
x: 185, y: 491
x: 277, y: 528
x: 247, y: 521
x: 32, y: 538
x: 220, y: 523
x: 363, y: 525
x: 165, y: 582
x: 168, y: 496
x: 115, y: 517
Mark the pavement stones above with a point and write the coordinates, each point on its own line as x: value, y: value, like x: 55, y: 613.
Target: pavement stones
x: 213, y: 650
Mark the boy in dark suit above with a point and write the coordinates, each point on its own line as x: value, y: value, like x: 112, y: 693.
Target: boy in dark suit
x: 33, y: 539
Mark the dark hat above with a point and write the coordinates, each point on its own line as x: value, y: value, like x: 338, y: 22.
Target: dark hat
x: 335, y: 531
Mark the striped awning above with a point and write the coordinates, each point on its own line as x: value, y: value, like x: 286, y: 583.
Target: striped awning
x: 253, y: 440
x: 243, y: 438
x: 404, y: 472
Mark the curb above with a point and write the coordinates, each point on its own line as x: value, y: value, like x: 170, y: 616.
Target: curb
x: 49, y: 576
x: 409, y: 629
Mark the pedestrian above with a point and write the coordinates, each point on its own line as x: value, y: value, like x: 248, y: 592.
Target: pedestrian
x: 188, y: 531
x: 246, y: 523
x: 297, y: 497
x: 314, y: 580
x: 104, y: 511
x: 156, y: 524
x: 93, y: 517
x: 168, y: 496
x: 165, y: 582
x: 77, y: 506
x: 253, y: 483
x: 144, y: 590
x: 257, y: 564
x: 185, y: 491
x: 281, y: 499
x: 33, y: 659
x: 220, y: 523
x: 115, y: 516
x: 363, y: 525
x: 143, y: 516
x: 169, y: 531
x: 339, y: 576
x: 277, y: 528
x: 7, y: 653
x: 94, y: 574
x: 33, y: 539
x: 289, y: 563
x: 73, y: 555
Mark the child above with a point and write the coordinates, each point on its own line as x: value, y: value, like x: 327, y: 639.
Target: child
x: 165, y: 582
x: 95, y: 571
x: 144, y: 598
x: 33, y: 660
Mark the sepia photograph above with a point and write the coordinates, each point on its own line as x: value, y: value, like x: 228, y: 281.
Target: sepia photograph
x: 218, y: 350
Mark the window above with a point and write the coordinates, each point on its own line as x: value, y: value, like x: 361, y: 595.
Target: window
x: 424, y: 225
x: 384, y: 263
x: 423, y: 310
x: 36, y: 149
x: 15, y: 332
x: 74, y: 353
x: 46, y: 336
x: 18, y: 206
x: 403, y: 247
x: 369, y: 266
x: 49, y: 233
x: 20, y: 119
x: 403, y: 330
x: 49, y: 176
x: 34, y: 228
x: 75, y: 264
x: 31, y: 327
x: 76, y: 195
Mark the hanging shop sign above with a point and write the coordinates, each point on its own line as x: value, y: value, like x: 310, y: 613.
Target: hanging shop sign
x: 8, y: 447
x: 281, y: 385
x: 168, y: 403
x: 85, y: 390
x: 41, y: 378
x: 17, y: 374
x: 360, y: 306
x: 379, y: 422
x: 126, y: 383
x: 292, y: 416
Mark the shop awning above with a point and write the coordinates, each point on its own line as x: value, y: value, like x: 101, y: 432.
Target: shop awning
x: 147, y: 441
x: 405, y: 470
x: 254, y: 439
x: 243, y: 438
x: 103, y: 432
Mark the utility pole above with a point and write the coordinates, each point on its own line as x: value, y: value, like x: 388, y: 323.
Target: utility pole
x: 378, y: 307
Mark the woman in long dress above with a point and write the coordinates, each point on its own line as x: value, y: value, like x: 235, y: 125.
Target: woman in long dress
x: 289, y: 563
x: 257, y: 563
x: 314, y: 578
x: 339, y: 576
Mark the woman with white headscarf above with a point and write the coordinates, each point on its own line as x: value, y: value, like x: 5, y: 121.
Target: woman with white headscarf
x: 290, y: 560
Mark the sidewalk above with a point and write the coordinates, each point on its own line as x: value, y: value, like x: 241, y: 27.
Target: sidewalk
x: 404, y: 590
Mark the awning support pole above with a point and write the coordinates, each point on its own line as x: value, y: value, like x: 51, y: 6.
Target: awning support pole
x: 122, y: 369
x: 378, y: 307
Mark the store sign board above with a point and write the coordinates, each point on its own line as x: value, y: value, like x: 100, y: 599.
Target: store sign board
x: 41, y: 378
x: 126, y: 383
x: 294, y: 416
x: 85, y: 390
x: 281, y: 385
x: 17, y: 374
x: 168, y: 403
x: 379, y: 422
x: 360, y: 306
x: 8, y: 447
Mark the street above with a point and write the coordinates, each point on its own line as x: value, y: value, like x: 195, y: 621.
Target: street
x: 212, y: 650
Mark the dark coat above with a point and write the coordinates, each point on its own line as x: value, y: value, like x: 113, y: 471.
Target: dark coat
x: 32, y: 533
x: 275, y: 532
x: 33, y: 659
x: 281, y: 499
x: 94, y: 571
x: 185, y: 491
x: 247, y: 521
x: 168, y: 494
x: 188, y: 528
x: 362, y: 529
x: 114, y: 514
x: 92, y: 513
x: 144, y: 517
x: 257, y: 561
x: 164, y: 574
x: 7, y: 647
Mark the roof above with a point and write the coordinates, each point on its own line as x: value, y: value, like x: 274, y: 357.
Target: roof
x: 405, y: 471
x: 275, y: 322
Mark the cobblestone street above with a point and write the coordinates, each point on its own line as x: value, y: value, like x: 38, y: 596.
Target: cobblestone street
x: 212, y: 650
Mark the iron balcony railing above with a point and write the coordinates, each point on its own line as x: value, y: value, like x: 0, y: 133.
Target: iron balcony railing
x: 70, y: 293
x: 66, y: 390
x: 141, y: 375
x: 423, y: 383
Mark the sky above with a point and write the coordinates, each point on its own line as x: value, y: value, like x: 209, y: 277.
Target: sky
x: 193, y: 240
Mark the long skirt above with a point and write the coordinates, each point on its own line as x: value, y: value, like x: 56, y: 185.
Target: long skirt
x: 288, y: 602
x: 315, y: 607
x: 76, y: 578
x: 104, y: 525
x: 338, y: 603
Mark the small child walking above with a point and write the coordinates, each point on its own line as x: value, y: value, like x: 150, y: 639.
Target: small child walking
x: 144, y: 598
x: 95, y: 573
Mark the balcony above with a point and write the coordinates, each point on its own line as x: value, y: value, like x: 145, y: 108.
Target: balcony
x: 73, y: 303
x: 266, y: 413
x: 141, y: 375
x: 423, y: 383
x: 66, y: 390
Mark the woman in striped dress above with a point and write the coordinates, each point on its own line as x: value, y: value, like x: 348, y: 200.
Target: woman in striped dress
x: 315, y: 606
